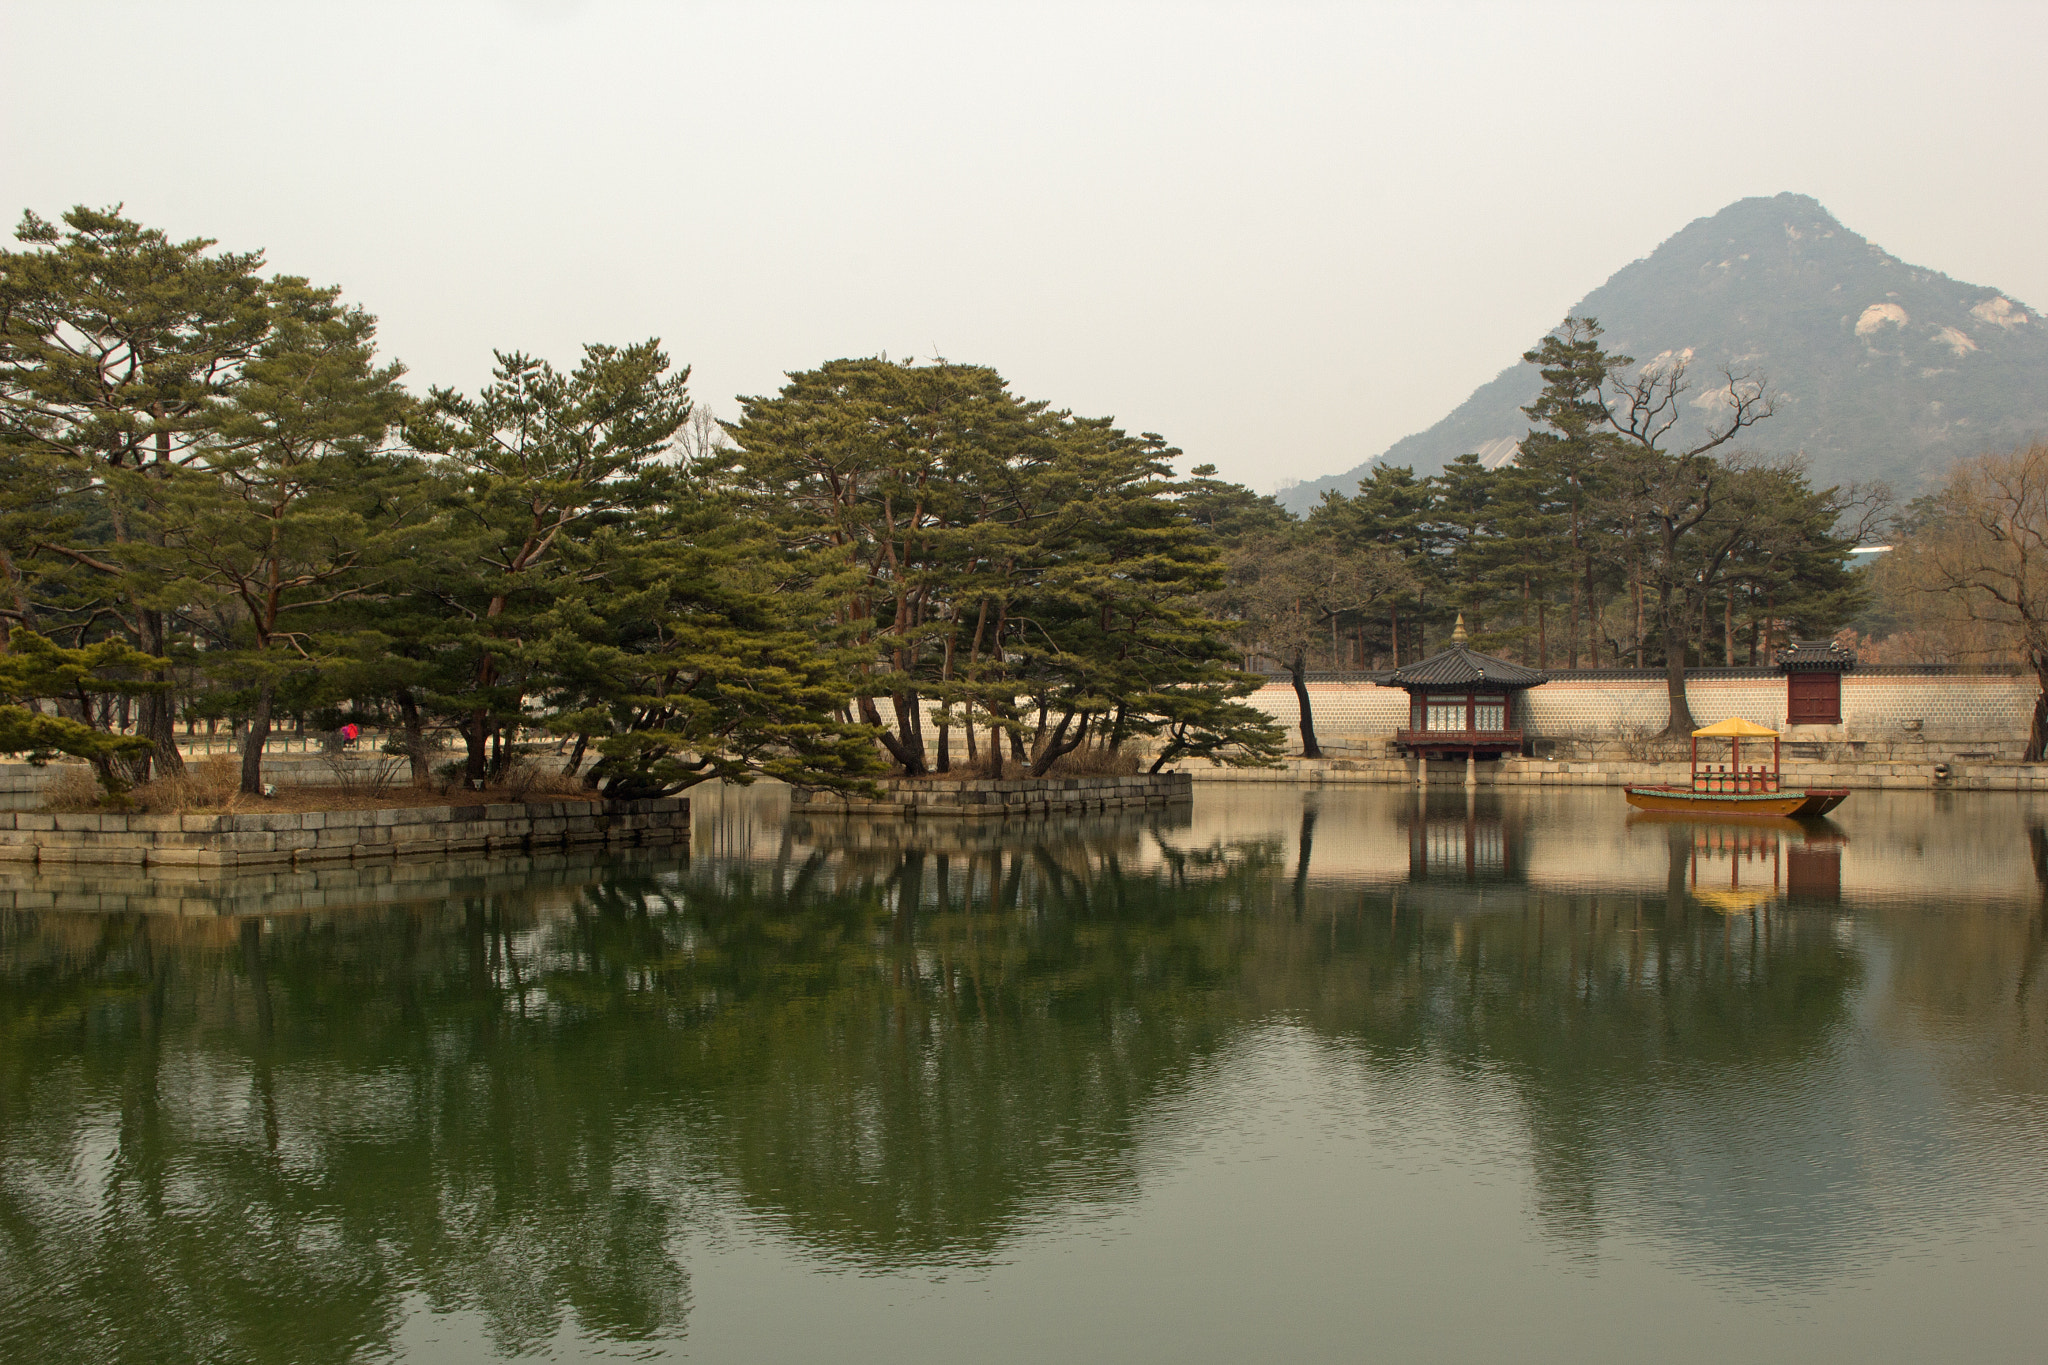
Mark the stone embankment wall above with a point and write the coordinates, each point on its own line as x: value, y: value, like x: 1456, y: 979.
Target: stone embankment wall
x: 1908, y: 715
x: 258, y: 838
x: 547, y: 879
x: 1536, y: 772
x: 941, y: 798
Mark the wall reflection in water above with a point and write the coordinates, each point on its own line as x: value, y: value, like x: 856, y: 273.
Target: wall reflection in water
x: 269, y: 1137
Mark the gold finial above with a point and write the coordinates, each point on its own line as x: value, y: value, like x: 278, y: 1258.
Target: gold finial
x: 1458, y: 631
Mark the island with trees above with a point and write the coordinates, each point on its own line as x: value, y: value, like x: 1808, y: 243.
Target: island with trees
x: 221, y: 506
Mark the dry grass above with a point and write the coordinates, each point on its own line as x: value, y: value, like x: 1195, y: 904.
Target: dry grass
x: 214, y: 785
x: 528, y: 780
x: 393, y: 798
x: 208, y: 784
x: 1087, y: 761
x: 1090, y: 761
x: 374, y: 773
x: 72, y: 788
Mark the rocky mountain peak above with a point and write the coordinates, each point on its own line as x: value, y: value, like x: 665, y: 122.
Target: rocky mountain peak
x: 1883, y: 369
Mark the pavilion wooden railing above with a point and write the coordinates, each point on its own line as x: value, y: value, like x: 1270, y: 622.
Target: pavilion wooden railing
x: 1459, y: 739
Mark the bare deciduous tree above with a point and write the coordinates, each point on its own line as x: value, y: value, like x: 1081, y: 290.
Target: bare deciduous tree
x: 1674, y: 491
x: 1980, y: 556
x: 1289, y: 594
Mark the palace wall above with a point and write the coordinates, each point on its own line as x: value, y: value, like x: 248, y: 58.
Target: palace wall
x: 1888, y: 714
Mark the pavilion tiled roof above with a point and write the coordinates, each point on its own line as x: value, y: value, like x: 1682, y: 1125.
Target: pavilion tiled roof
x: 1812, y: 656
x: 1462, y: 667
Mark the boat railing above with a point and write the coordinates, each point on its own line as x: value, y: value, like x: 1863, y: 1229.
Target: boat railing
x: 1719, y: 778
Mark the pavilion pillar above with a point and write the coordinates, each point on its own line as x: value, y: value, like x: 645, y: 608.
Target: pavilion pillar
x: 1471, y: 768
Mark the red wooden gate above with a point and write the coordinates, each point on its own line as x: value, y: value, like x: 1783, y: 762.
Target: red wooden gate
x: 1813, y: 698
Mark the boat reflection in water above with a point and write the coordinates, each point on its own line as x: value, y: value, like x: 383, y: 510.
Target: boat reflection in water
x: 1736, y: 866
x: 1465, y: 850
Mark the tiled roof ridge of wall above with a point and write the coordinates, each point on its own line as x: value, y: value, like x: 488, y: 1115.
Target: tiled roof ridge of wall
x: 1379, y: 677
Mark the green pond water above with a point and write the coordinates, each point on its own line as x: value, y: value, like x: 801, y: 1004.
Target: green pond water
x: 1314, y: 1075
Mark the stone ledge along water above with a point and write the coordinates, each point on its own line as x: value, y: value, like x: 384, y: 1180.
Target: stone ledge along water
x: 1536, y: 772
x: 916, y: 797
x: 268, y: 838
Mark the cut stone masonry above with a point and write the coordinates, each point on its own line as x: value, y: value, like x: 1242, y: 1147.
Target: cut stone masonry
x: 923, y: 797
x: 263, y: 838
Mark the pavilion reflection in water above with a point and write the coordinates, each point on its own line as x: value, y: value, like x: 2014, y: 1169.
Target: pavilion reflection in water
x: 1456, y: 839
x: 1467, y: 847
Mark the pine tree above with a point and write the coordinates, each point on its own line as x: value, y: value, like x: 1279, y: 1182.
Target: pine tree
x: 543, y: 459
x: 284, y: 509
x: 116, y: 346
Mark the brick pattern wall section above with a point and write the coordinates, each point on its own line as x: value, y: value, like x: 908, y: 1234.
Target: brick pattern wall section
x: 917, y: 798
x: 1865, y: 775
x: 257, y: 838
x: 1985, y: 714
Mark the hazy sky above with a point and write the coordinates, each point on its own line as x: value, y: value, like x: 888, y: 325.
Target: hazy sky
x: 1282, y: 235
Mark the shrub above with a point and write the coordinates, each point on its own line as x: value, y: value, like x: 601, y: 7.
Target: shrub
x: 208, y: 784
x: 72, y: 788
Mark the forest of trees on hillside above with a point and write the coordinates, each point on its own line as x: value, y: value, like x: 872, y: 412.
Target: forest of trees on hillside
x: 221, y: 505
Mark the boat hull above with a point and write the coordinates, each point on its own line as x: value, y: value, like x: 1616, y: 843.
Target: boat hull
x: 1812, y: 801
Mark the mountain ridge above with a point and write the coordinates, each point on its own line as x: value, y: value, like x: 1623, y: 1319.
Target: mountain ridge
x: 1883, y: 370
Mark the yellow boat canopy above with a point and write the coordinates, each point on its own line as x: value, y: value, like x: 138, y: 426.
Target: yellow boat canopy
x: 1735, y: 727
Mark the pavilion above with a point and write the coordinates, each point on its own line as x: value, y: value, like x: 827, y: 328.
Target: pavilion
x: 1462, y: 703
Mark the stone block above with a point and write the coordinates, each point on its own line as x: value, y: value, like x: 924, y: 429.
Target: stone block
x: 187, y: 857
x: 130, y: 855
x: 261, y: 857
x: 34, y: 820
x: 76, y: 824
x: 154, y: 824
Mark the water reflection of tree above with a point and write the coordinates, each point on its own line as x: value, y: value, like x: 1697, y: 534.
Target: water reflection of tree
x: 1606, y: 1013
x: 291, y: 1157
x: 897, y: 1058
x: 897, y: 1048
x: 928, y: 1046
